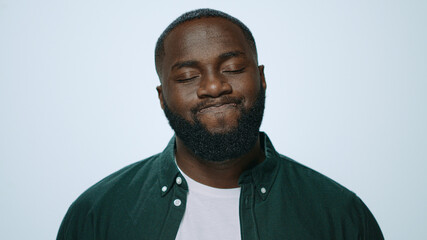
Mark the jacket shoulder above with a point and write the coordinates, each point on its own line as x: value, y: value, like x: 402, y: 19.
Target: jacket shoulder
x: 139, y: 172
x: 105, y: 196
x: 306, y: 179
x: 327, y: 203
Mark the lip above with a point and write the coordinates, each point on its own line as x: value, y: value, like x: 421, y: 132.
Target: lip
x: 219, y: 107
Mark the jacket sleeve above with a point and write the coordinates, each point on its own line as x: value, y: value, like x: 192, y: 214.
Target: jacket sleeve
x: 77, y: 224
x: 369, y: 229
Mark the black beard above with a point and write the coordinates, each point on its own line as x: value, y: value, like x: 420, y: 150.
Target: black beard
x: 218, y: 147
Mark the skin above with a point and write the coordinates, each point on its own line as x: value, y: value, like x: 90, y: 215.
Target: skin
x: 205, y: 61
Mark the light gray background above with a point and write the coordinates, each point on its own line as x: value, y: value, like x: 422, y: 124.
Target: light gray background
x: 346, y: 96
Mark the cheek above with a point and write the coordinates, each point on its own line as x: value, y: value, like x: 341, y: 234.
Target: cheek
x: 248, y: 88
x: 180, y: 101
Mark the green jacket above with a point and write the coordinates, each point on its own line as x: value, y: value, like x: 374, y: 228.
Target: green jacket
x: 279, y: 199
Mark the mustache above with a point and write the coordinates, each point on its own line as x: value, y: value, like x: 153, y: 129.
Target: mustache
x: 218, y: 101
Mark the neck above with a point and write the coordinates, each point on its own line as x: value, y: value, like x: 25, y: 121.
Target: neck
x: 224, y: 174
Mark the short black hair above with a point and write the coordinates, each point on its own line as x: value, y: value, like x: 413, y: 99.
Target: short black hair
x: 198, y: 14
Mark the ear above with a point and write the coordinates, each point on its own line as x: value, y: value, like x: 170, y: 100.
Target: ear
x: 160, y: 95
x: 262, y: 76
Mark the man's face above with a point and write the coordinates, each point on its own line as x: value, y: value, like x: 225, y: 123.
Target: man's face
x: 210, y: 76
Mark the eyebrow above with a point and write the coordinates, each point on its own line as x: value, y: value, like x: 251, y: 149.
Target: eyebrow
x: 231, y: 54
x: 190, y: 63
x: 193, y: 63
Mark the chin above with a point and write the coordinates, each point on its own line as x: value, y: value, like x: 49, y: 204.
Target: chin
x: 221, y: 130
x: 220, y: 124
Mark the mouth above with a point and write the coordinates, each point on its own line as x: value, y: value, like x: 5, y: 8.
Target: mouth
x: 217, y: 108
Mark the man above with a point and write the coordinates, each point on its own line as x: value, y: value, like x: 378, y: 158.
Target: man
x: 219, y: 177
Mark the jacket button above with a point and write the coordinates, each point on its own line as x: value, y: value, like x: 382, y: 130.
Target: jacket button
x: 263, y: 190
x: 178, y: 180
x: 164, y: 188
x: 177, y: 202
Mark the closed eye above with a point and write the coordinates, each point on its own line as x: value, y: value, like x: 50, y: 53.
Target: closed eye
x: 183, y: 80
x: 235, y: 71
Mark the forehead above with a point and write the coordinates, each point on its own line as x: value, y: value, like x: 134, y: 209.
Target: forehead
x: 203, y: 38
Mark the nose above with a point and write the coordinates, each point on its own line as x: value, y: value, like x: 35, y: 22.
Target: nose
x: 213, y: 85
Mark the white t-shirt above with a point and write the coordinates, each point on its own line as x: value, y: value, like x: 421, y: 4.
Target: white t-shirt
x: 210, y: 213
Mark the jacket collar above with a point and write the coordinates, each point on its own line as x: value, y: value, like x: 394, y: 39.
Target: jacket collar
x: 167, y: 168
x: 261, y: 176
